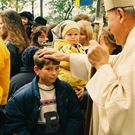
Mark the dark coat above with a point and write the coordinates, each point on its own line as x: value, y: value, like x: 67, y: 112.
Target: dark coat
x: 17, y: 81
x: 23, y: 109
x: 15, y: 57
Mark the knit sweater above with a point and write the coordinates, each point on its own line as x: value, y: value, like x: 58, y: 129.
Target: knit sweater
x: 47, y: 101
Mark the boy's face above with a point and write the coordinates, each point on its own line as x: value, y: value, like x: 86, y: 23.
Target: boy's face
x: 72, y: 36
x: 47, y: 74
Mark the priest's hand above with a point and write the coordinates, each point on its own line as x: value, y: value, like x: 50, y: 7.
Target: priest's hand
x: 53, y: 54
x: 98, y: 55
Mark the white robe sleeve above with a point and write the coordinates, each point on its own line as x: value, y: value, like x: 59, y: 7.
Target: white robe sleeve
x: 110, y: 97
x: 80, y: 66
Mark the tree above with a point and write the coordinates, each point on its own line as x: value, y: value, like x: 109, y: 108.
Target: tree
x: 62, y: 10
x: 3, y: 4
x: 13, y: 4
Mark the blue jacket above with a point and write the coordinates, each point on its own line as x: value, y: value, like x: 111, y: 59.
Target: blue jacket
x: 23, y: 108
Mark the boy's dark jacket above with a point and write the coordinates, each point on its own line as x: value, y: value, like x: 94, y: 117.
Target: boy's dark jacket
x: 23, y: 109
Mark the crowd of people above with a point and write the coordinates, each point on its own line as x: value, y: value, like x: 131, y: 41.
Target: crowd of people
x: 47, y: 79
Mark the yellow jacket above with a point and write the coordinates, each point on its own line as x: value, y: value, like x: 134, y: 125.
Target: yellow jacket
x: 64, y: 71
x: 112, y: 89
x: 4, y: 72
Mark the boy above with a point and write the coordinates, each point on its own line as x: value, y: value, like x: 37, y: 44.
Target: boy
x: 46, y: 106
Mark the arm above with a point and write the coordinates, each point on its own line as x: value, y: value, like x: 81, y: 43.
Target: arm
x: 111, y: 98
x: 111, y: 89
x: 79, y: 64
x: 4, y: 73
x: 16, y: 119
x: 15, y: 57
x: 54, y: 54
x: 75, y: 120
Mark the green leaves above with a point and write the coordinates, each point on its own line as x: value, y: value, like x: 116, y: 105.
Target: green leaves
x: 14, y: 4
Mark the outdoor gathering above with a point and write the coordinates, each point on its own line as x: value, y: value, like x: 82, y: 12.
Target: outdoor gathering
x: 67, y: 67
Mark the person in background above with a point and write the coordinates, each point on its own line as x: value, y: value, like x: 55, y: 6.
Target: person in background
x: 15, y: 37
x: 46, y: 106
x: 27, y: 73
x: 27, y: 20
x: 39, y: 21
x: 39, y: 36
x: 108, y: 38
x: 50, y: 35
x: 86, y: 33
x: 81, y: 17
x: 4, y: 80
x: 68, y: 33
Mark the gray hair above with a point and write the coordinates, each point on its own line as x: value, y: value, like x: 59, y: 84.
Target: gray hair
x: 130, y: 10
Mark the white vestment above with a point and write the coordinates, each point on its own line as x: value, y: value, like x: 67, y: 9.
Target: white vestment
x: 112, y: 90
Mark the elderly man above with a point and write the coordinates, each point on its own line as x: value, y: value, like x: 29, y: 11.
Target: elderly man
x: 112, y: 88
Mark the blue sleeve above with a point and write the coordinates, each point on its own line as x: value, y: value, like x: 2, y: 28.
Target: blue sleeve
x: 75, y: 122
x: 16, y: 120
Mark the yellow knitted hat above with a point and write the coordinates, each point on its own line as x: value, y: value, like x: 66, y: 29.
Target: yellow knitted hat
x: 69, y: 26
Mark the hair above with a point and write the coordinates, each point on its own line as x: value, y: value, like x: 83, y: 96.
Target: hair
x: 130, y: 10
x: 85, y: 25
x: 110, y: 39
x: 36, y: 33
x: 50, y: 35
x: 16, y: 33
x: 40, y: 21
x: 81, y: 17
x: 28, y: 15
x: 41, y: 61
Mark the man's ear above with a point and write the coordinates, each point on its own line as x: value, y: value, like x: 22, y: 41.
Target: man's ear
x: 36, y: 69
x: 121, y: 14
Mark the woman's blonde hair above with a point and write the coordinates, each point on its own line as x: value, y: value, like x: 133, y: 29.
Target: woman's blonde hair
x: 86, y: 26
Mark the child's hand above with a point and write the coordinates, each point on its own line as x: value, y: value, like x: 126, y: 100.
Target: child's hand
x: 79, y: 92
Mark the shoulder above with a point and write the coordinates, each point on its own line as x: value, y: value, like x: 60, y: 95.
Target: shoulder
x: 24, y: 91
x: 3, y: 47
x: 28, y: 90
x: 12, y: 48
x: 60, y: 84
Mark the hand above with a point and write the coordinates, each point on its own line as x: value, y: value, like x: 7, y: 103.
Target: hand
x: 79, y: 92
x: 53, y: 54
x: 98, y: 55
